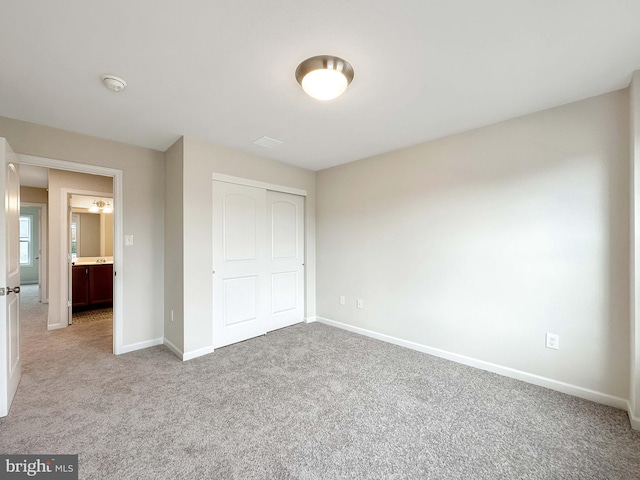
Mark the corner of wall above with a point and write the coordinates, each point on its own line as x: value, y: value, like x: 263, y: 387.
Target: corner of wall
x: 174, y: 248
x: 634, y: 317
x: 635, y: 421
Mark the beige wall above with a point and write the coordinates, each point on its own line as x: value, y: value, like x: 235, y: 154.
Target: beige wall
x: 174, y: 246
x: 143, y: 208
x: 634, y: 332
x: 106, y: 238
x: 200, y: 161
x: 480, y: 243
x: 33, y: 195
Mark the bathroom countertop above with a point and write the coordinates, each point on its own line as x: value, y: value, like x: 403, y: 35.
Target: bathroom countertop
x: 83, y: 263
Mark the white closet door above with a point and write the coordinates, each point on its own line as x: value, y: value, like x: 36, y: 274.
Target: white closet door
x: 240, y: 281
x: 285, y: 247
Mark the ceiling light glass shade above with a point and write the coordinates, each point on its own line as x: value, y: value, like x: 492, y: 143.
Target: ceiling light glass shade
x: 94, y: 209
x: 324, y: 77
x: 108, y: 209
x: 324, y: 84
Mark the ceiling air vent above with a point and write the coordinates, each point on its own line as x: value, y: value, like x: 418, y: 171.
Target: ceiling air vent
x: 267, y: 142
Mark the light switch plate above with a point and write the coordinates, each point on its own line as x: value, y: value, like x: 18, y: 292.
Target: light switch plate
x: 128, y: 240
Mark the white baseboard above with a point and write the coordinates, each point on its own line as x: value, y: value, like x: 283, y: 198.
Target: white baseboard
x: 310, y: 319
x: 132, y: 347
x: 188, y: 355
x: 196, y: 353
x: 559, y: 386
x: 57, y: 326
x: 635, y: 421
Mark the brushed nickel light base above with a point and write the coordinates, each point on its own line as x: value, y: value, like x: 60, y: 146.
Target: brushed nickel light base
x: 325, y: 76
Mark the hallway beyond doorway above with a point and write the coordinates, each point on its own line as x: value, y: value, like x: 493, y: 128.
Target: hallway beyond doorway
x: 96, y: 336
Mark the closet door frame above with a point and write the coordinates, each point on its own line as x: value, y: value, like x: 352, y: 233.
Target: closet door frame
x: 220, y: 177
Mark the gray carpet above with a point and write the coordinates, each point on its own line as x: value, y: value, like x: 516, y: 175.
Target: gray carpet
x: 307, y: 402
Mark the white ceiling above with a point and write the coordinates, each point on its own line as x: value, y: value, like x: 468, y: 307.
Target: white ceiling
x: 223, y: 71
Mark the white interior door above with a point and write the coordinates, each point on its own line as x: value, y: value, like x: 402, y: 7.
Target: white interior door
x: 239, y: 258
x: 285, y: 247
x: 10, y: 365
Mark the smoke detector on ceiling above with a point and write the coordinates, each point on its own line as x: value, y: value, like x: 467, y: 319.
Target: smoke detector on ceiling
x: 113, y: 83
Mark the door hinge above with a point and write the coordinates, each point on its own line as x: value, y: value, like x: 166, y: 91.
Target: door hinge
x: 68, y: 303
x: 2, y: 292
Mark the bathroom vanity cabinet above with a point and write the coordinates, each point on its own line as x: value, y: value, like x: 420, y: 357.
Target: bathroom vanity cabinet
x: 91, y: 285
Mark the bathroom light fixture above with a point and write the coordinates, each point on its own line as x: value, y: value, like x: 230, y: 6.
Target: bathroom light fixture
x: 113, y: 83
x: 100, y: 206
x: 324, y: 77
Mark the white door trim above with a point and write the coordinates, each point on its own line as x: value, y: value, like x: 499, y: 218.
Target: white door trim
x: 118, y: 238
x: 254, y: 183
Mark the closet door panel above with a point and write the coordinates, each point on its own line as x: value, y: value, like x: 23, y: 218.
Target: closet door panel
x: 240, y: 289
x: 285, y: 244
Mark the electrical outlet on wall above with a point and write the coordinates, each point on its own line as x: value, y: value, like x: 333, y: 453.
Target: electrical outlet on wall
x: 553, y: 341
x: 359, y: 303
x: 343, y: 300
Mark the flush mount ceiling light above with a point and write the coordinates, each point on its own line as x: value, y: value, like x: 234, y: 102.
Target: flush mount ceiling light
x: 324, y: 77
x: 113, y: 83
x: 100, y: 206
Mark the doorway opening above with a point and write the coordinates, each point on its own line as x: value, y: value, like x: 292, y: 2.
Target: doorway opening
x: 59, y: 265
x: 33, y: 241
x: 90, y: 240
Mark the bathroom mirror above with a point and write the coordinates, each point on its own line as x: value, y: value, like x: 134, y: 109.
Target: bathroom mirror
x: 91, y: 232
